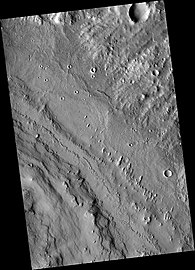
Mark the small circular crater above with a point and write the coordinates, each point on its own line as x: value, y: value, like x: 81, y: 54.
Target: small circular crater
x: 93, y: 70
x: 167, y: 173
x: 133, y: 14
x: 155, y: 72
x: 138, y: 12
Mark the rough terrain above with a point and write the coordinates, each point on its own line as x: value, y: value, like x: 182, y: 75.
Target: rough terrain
x: 97, y: 134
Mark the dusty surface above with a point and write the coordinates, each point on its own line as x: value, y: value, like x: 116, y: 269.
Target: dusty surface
x: 97, y: 134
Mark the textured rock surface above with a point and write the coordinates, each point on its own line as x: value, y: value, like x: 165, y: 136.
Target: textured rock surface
x: 97, y: 134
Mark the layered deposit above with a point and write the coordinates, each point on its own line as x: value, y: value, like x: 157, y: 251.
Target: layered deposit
x: 97, y: 134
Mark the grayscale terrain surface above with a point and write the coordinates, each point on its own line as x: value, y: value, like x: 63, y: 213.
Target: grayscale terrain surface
x: 97, y: 134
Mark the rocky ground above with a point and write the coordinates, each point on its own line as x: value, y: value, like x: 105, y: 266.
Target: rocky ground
x: 97, y: 134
